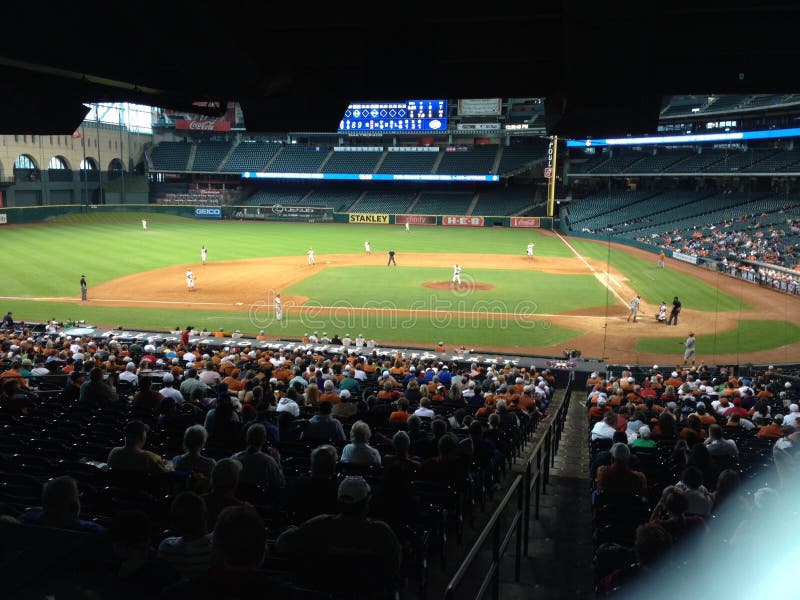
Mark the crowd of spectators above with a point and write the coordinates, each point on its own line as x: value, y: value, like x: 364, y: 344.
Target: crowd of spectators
x: 682, y: 461
x: 307, y: 448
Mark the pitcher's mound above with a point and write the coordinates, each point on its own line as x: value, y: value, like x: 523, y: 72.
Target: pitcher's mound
x: 464, y: 287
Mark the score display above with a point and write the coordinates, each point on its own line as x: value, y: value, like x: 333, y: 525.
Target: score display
x: 411, y: 115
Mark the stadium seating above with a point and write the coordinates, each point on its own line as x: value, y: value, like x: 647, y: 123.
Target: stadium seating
x: 250, y: 156
x: 209, y: 155
x: 171, y: 156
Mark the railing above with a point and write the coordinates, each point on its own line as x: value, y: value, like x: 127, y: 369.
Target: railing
x: 544, y: 457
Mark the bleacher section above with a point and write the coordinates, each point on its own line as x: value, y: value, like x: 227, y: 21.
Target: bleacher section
x: 658, y: 162
x: 269, y: 197
x: 298, y: 159
x: 438, y: 203
x: 741, y: 161
x: 251, y: 156
x: 338, y: 200
x: 408, y: 163
x: 385, y: 201
x: 477, y: 160
x: 619, y: 162
x: 519, y: 156
x: 592, y: 207
x: 502, y: 203
x: 352, y: 162
x: 697, y: 162
x: 208, y: 156
x: 171, y: 156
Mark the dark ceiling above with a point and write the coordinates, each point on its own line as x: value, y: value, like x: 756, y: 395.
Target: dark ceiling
x: 603, y: 70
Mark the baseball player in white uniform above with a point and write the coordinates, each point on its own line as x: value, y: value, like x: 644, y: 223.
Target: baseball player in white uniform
x: 530, y: 250
x: 144, y: 224
x: 190, y: 280
x: 203, y: 253
x: 456, y: 275
x: 311, y: 256
x: 278, y: 308
x: 367, y: 248
x: 408, y: 226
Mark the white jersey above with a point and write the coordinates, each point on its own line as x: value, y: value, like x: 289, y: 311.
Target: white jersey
x: 278, y: 309
x: 203, y: 253
x: 530, y: 249
x: 367, y: 247
x: 189, y: 279
x: 144, y: 224
x: 310, y: 256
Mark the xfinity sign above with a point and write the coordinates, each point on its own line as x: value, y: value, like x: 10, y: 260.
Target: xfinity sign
x: 208, y: 212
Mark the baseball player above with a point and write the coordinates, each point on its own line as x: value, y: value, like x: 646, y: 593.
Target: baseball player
x: 203, y: 253
x: 367, y: 248
x: 408, y: 226
x: 456, y: 275
x: 311, y: 256
x: 530, y: 250
x: 634, y: 308
x: 144, y: 224
x: 278, y: 308
x: 189, y: 280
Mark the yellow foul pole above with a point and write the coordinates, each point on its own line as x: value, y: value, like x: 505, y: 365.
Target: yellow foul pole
x: 550, y: 172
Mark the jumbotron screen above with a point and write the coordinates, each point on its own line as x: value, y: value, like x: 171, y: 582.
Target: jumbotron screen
x: 408, y: 116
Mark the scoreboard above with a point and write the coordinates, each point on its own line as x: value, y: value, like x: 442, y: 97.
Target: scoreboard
x: 408, y: 116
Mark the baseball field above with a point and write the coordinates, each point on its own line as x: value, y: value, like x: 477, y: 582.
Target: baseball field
x: 573, y: 294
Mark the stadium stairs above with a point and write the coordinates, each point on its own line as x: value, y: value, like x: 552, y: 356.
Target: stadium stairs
x: 559, y: 561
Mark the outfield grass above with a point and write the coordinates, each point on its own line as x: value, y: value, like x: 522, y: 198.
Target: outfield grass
x: 749, y: 336
x: 655, y: 285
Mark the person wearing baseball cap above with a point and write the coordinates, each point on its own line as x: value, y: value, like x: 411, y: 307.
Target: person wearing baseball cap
x: 364, y: 536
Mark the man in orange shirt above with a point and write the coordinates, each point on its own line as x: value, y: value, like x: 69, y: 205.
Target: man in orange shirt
x: 773, y: 431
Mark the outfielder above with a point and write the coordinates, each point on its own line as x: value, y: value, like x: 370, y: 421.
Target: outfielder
x: 367, y: 248
x: 203, y: 253
x: 530, y: 250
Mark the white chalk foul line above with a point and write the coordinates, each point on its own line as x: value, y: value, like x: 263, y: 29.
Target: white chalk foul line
x: 599, y: 276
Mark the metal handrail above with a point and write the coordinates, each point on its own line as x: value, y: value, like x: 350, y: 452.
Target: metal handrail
x: 544, y: 456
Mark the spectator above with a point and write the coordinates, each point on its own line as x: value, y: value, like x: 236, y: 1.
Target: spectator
x: 671, y: 514
x: 189, y: 550
x: 260, y: 468
x: 239, y: 547
x: 359, y: 451
x: 619, y: 478
x: 364, y: 536
x: 97, y: 392
x: 132, y: 456
x: 61, y: 507
x: 606, y: 427
x: 323, y: 427
x: 194, y: 440
x: 315, y: 494
x: 717, y: 445
x: 697, y: 496
x: 224, y: 483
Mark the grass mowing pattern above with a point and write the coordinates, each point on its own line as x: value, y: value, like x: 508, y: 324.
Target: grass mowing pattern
x: 527, y: 292
x: 655, y: 285
x: 423, y: 331
x: 749, y: 336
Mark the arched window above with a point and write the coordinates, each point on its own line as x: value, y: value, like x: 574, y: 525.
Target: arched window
x: 25, y: 161
x: 115, y: 165
x: 88, y: 164
x: 59, y: 163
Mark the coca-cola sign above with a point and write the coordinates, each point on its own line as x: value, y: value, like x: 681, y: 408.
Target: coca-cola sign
x: 202, y: 125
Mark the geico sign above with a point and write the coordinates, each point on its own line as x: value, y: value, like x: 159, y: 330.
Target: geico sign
x: 463, y: 221
x: 207, y: 211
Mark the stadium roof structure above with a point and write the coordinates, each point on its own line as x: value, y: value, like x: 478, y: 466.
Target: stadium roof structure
x: 603, y: 68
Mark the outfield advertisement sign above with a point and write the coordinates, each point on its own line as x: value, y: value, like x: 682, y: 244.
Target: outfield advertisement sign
x: 372, y: 219
x: 414, y: 220
x: 685, y: 257
x: 454, y: 221
x: 208, y: 212
x: 279, y: 212
x: 525, y: 222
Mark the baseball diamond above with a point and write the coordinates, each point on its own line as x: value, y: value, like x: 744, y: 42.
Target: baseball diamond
x: 575, y: 295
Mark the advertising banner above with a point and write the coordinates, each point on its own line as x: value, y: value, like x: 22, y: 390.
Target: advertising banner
x: 372, y: 219
x: 525, y: 222
x: 414, y: 219
x: 685, y: 257
x: 208, y: 212
x: 454, y: 221
x: 202, y: 125
x: 279, y: 212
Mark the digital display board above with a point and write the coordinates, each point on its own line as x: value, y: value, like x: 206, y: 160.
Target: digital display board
x: 410, y: 116
x: 369, y: 176
x: 733, y: 136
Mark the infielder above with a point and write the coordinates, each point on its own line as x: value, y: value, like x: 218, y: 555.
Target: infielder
x: 311, y: 256
x: 278, y: 308
x: 456, y: 275
x: 530, y: 250
x: 203, y: 253
x: 367, y: 248
x: 689, y: 345
x: 190, y: 280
